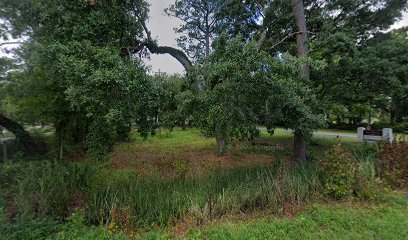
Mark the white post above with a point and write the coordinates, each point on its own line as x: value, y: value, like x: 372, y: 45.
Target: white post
x: 387, y: 134
x: 360, y: 134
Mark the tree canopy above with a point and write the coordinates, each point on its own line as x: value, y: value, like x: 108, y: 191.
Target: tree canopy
x: 80, y: 68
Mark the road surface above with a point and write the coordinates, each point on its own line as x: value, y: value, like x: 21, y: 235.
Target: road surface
x: 319, y: 133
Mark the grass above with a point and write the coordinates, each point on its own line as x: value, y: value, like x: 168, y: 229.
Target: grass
x: 337, y: 221
x: 318, y: 221
x: 157, y: 155
x: 338, y: 131
x: 177, y: 179
x: 55, y: 190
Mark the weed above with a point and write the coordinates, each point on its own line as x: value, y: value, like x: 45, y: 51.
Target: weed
x: 339, y: 169
x: 181, y: 168
x: 393, y: 163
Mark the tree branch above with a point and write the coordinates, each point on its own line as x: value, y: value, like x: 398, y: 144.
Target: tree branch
x: 10, y: 43
x: 155, y: 49
x: 290, y: 35
x: 150, y: 44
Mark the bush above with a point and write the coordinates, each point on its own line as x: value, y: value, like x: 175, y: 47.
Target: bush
x: 29, y: 230
x: 401, y: 127
x: 48, y: 229
x: 339, y: 169
x: 392, y: 163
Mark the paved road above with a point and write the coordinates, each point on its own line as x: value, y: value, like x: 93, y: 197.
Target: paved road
x: 319, y: 134
x: 3, y: 139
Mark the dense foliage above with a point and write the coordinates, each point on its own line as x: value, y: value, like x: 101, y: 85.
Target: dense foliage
x: 232, y: 76
x: 79, y: 72
x: 76, y: 75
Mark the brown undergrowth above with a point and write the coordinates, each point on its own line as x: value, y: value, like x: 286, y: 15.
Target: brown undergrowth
x: 147, y: 161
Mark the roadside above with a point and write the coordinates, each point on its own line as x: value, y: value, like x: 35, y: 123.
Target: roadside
x: 322, y: 221
x: 322, y: 133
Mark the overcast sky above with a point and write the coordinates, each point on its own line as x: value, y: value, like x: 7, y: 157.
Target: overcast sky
x: 162, y: 28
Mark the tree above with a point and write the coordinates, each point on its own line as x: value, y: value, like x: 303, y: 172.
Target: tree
x: 29, y: 144
x: 351, y: 22
x: 228, y: 106
x: 384, y: 61
x: 204, y: 20
x: 300, y: 140
x: 292, y: 104
x: 199, y: 24
x: 360, y: 19
x: 166, y: 104
x: 364, y: 77
x: 83, y: 82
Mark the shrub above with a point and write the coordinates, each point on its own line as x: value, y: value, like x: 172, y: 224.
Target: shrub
x: 392, y: 163
x: 48, y: 229
x: 29, y: 230
x: 181, y: 168
x: 339, y: 169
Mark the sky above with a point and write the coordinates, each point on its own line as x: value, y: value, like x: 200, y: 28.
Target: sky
x: 162, y: 28
x: 161, y: 24
x: 403, y: 22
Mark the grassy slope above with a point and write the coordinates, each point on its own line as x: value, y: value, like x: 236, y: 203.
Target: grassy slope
x: 386, y: 221
x: 339, y: 221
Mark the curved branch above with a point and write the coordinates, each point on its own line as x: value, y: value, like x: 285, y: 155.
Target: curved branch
x: 10, y: 43
x: 31, y: 145
x: 150, y: 44
x: 180, y: 56
x: 177, y: 54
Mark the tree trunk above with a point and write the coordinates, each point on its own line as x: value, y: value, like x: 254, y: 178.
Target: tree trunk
x: 222, y: 139
x: 369, y: 116
x: 207, y: 45
x: 158, y: 125
x: 369, y: 121
x: 30, y: 145
x: 299, y: 149
x: 300, y: 143
x: 302, y: 36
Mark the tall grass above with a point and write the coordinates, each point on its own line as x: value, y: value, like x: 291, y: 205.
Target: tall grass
x: 366, y: 155
x: 50, y: 188
x: 155, y: 201
x: 121, y: 197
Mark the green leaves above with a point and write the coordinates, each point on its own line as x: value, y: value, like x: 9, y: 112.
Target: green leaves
x: 76, y: 74
x: 292, y: 104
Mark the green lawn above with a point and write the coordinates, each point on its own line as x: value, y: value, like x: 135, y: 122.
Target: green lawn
x: 162, y: 189
x: 329, y: 221
x: 338, y: 131
x: 387, y: 220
